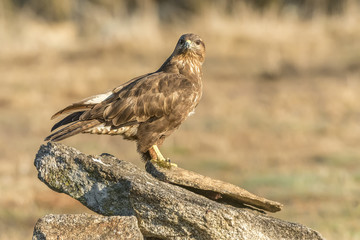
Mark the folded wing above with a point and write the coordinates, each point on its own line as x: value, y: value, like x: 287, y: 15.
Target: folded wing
x: 146, y: 98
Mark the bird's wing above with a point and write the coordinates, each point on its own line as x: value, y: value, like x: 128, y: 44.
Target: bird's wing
x: 152, y: 96
x: 84, y: 104
x: 92, y: 101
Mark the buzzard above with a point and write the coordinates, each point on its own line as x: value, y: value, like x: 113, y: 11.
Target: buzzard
x: 145, y: 109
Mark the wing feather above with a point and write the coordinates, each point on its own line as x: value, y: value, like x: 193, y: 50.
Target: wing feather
x: 84, y: 104
x: 125, y: 116
x: 68, y: 119
x: 154, y: 95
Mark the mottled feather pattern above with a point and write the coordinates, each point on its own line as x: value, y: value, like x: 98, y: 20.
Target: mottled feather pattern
x: 128, y: 132
x: 147, y: 108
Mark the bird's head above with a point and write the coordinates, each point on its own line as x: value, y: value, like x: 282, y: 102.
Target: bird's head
x: 191, y: 45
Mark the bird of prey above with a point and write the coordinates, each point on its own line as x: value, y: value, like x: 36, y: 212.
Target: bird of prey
x: 145, y: 109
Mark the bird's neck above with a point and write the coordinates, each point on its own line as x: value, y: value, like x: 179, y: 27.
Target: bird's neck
x: 189, y: 66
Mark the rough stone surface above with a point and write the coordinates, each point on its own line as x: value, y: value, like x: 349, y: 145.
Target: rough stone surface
x: 110, y: 186
x: 214, y: 189
x: 86, y: 227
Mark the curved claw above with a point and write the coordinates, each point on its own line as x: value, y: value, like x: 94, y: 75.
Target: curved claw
x: 160, y: 160
x: 163, y: 164
x: 171, y: 164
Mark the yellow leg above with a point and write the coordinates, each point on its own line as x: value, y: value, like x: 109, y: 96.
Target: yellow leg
x: 161, y: 161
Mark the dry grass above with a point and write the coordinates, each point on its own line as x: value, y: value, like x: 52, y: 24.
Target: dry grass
x: 280, y: 114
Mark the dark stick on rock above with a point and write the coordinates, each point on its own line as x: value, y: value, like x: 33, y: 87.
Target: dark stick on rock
x: 214, y: 189
x: 113, y: 187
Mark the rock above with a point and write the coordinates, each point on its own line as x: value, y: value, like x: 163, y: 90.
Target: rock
x: 113, y: 187
x: 214, y: 189
x: 86, y: 226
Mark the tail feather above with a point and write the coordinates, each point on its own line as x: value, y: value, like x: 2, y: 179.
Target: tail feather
x: 71, y: 130
x: 68, y: 119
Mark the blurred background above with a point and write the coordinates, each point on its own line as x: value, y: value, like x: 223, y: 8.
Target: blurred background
x: 280, y: 114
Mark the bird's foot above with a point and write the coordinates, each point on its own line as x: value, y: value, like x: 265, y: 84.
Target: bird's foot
x: 159, y: 159
x: 164, y: 163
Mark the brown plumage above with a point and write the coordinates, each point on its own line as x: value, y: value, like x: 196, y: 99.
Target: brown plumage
x: 145, y: 109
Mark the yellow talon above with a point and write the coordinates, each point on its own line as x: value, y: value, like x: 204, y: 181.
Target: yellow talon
x: 161, y: 161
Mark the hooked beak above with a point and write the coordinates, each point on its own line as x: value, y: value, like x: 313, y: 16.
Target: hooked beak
x: 187, y: 44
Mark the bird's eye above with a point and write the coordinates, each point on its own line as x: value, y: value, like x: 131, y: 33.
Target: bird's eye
x: 197, y: 42
x: 181, y: 41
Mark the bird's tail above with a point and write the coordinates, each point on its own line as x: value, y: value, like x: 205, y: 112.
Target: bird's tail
x: 71, y: 130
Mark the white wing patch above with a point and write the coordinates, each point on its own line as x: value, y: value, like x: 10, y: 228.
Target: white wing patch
x: 97, y: 98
